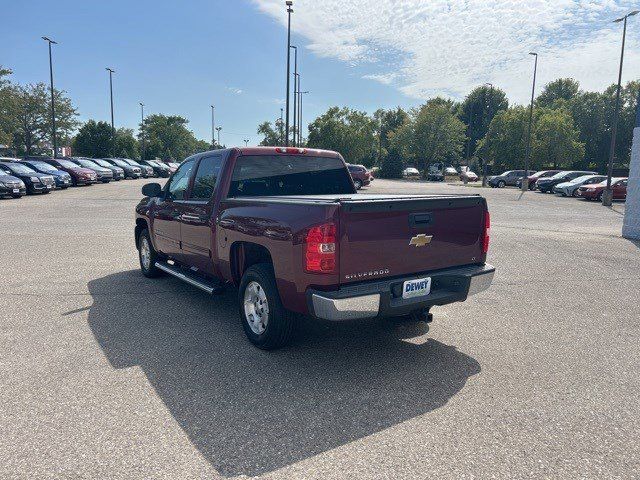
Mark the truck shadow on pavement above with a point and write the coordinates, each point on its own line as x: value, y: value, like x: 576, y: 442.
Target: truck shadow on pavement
x: 249, y: 412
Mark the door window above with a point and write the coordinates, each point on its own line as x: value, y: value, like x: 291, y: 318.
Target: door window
x: 206, y: 178
x: 180, y: 181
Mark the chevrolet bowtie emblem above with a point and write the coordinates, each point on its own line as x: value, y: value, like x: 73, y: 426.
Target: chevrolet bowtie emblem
x: 420, y: 240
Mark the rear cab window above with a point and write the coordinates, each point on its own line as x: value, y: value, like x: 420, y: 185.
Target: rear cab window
x: 204, y: 183
x: 285, y: 175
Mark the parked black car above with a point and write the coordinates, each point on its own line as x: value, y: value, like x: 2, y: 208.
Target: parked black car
x: 105, y: 175
x: 118, y: 172
x: 35, y: 182
x: 146, y: 170
x: 11, y: 186
x: 129, y: 171
x: 509, y: 178
x: 159, y: 169
x: 545, y: 185
x: 63, y: 179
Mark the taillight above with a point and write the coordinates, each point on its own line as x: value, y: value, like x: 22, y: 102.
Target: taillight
x: 293, y: 150
x: 487, y: 228
x: 320, y: 249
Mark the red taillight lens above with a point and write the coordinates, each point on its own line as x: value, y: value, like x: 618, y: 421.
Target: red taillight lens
x: 320, y: 249
x: 487, y: 228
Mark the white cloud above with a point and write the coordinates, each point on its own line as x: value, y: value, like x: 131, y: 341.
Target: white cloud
x: 431, y: 47
x: 237, y: 91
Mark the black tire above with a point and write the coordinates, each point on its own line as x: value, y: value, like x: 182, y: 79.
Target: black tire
x: 280, y: 322
x: 574, y: 193
x: 358, y: 184
x: 16, y: 196
x: 501, y: 184
x: 599, y: 197
x: 148, y: 268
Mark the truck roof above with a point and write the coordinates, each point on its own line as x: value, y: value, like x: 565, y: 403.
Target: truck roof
x: 286, y: 151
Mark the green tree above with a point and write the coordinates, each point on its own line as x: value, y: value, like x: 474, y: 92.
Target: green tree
x: 388, y: 122
x: 589, y: 112
x: 94, y: 140
x: 125, y: 144
x: 392, y: 164
x: 477, y: 110
x: 270, y: 134
x: 167, y: 137
x: 504, y: 144
x: 350, y: 132
x: 34, y: 129
x: 9, y: 111
x: 434, y: 134
x: 558, y: 92
x: 556, y: 140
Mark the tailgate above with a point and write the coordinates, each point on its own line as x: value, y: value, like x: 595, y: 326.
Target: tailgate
x: 385, y: 237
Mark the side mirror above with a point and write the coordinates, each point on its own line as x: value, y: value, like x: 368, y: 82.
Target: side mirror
x: 151, y: 190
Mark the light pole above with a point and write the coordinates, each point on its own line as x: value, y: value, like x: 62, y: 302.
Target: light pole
x: 289, y: 3
x: 525, y: 180
x: 484, y: 161
x: 53, y: 108
x: 213, y: 126
x: 218, y: 130
x: 246, y: 142
x: 142, y: 130
x: 295, y: 88
x: 113, y: 130
x: 607, y: 195
x: 281, y: 124
x: 300, y: 118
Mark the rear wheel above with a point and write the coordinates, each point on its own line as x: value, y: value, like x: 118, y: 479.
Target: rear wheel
x: 574, y: 193
x: 147, y: 256
x: 358, y: 184
x: 501, y: 184
x: 267, y: 324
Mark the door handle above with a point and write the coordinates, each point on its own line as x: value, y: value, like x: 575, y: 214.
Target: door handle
x: 192, y: 218
x: 226, y: 222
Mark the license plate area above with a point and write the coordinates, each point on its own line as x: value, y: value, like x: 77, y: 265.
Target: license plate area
x: 419, y: 287
x: 16, y: 190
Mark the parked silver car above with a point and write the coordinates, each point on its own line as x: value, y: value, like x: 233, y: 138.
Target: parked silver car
x: 570, y: 188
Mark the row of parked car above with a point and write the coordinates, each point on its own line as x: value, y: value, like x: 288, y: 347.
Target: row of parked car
x: 32, y: 175
x: 568, y: 183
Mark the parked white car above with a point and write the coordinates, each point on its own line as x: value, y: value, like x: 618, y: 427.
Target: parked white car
x: 570, y: 189
x: 469, y: 175
x: 410, y: 172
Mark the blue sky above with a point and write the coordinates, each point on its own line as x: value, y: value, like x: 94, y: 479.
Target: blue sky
x: 180, y: 57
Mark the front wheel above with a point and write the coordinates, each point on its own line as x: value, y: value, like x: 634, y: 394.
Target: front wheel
x: 267, y: 324
x: 358, y: 184
x: 147, y: 256
x: 501, y: 184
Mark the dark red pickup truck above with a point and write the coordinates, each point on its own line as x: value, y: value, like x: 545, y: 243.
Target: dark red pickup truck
x: 286, y: 226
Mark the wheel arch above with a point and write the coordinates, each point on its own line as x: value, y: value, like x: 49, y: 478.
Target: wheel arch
x: 245, y: 254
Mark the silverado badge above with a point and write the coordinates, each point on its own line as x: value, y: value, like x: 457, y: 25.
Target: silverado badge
x: 420, y: 240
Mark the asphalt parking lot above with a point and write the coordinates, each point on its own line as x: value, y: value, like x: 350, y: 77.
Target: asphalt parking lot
x: 107, y: 374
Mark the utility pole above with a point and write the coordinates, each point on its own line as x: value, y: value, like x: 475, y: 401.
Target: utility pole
x: 113, y: 130
x: 607, y: 195
x: 484, y: 162
x: 53, y: 108
x: 213, y: 127
x: 142, y: 130
x: 289, y: 3
x: 525, y: 179
x: 295, y: 88
x: 281, y: 124
x: 218, y: 130
x: 300, y: 138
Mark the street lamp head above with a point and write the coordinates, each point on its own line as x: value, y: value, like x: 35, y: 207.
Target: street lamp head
x: 533, y: 53
x: 141, y: 104
x: 635, y: 12
x: 288, y: 3
x: 110, y: 70
x: 47, y: 39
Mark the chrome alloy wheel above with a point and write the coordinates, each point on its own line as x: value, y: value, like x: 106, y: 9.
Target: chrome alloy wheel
x: 145, y: 253
x: 256, y: 308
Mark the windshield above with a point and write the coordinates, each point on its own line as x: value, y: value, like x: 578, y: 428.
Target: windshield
x: 131, y: 162
x: 584, y: 178
x: 43, y: 166
x: 87, y: 163
x: 67, y: 163
x: 267, y: 175
x: 102, y: 163
x: 19, y: 168
x: 560, y: 175
x: 120, y: 163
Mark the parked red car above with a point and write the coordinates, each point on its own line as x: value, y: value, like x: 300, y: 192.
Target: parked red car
x: 594, y: 192
x: 360, y: 174
x: 286, y: 226
x: 79, y: 175
x: 534, y: 178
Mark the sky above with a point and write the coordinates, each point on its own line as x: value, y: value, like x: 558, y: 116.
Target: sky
x: 181, y: 57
